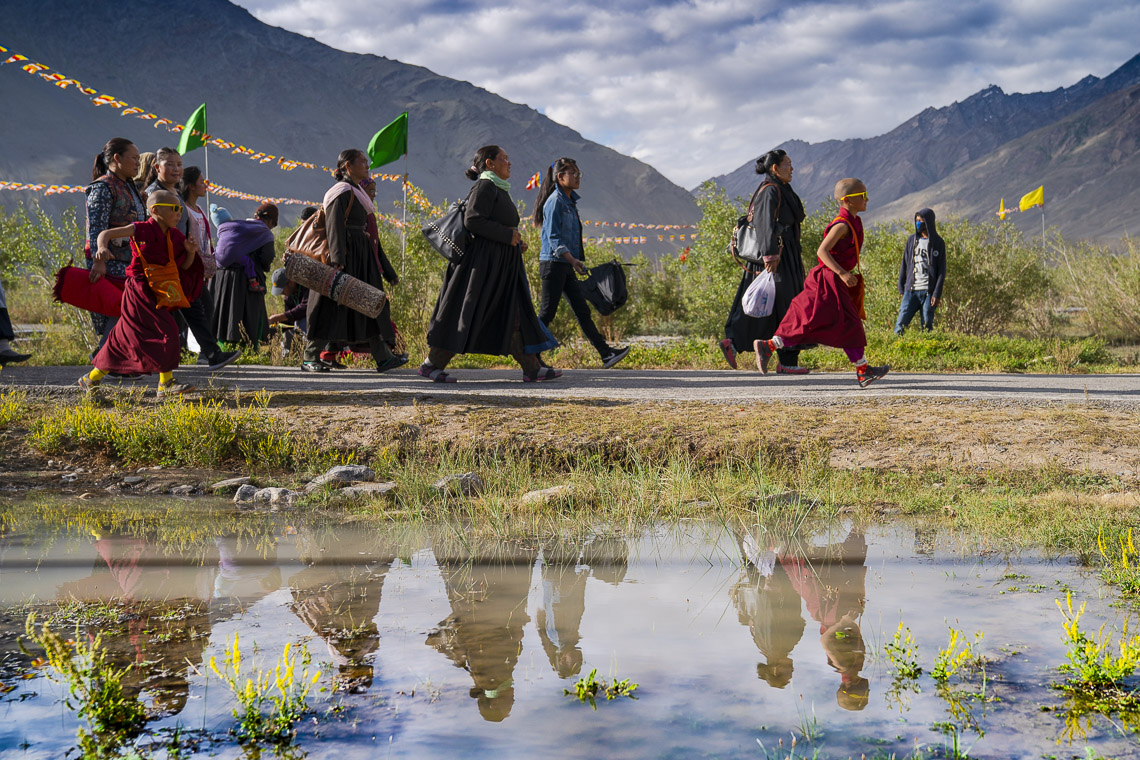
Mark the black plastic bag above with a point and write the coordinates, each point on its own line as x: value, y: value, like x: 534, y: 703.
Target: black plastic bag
x: 605, y: 287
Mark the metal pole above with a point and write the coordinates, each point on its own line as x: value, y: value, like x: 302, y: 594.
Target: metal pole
x: 207, y: 150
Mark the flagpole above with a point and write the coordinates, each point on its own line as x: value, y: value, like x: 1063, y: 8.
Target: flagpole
x: 404, y: 228
x: 206, y: 148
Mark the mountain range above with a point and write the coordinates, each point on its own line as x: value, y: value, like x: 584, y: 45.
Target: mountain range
x: 282, y: 94
x: 1079, y: 142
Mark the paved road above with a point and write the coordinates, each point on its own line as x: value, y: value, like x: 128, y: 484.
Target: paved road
x: 639, y: 385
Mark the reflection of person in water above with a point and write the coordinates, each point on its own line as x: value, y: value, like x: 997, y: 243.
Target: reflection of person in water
x: 487, y: 585
x: 566, y: 565
x: 339, y: 599
x: 246, y: 572
x: 832, y: 581
x: 165, y: 604
x: 769, y: 605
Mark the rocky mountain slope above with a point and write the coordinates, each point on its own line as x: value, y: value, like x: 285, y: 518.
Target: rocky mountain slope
x: 280, y: 93
x: 936, y: 143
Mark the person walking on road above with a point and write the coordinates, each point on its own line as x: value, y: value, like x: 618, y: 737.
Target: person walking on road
x: 484, y: 306
x: 563, y: 256
x: 777, y: 215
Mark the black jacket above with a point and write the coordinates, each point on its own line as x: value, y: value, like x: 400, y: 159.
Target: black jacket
x: 937, y: 258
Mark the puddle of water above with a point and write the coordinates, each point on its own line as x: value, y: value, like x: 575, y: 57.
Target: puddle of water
x: 435, y: 643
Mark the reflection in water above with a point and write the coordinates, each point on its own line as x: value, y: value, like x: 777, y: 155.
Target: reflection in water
x: 487, y: 585
x: 565, y: 567
x: 831, y: 580
x: 768, y: 604
x: 166, y: 609
x: 339, y: 600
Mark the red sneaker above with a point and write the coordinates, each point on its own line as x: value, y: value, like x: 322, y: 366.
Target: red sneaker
x: 867, y: 374
x: 763, y: 351
x: 782, y: 370
x: 729, y: 352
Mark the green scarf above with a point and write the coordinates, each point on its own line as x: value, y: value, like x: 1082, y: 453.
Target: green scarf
x: 500, y: 183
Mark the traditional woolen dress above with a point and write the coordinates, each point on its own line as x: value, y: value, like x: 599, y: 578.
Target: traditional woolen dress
x: 239, y: 314
x: 111, y: 202
x: 485, y: 306
x: 778, y: 214
x: 824, y: 312
x: 145, y: 339
x: 346, y: 221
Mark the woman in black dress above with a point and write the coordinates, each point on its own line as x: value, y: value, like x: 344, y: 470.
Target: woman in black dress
x: 485, y: 306
x: 347, y: 207
x: 777, y: 215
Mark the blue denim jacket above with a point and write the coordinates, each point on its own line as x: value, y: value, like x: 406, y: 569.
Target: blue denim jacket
x: 561, y: 227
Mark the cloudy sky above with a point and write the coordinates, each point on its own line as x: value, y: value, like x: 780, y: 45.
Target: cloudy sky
x: 698, y: 87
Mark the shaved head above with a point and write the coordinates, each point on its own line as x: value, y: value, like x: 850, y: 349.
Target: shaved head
x: 847, y: 186
x: 162, y: 196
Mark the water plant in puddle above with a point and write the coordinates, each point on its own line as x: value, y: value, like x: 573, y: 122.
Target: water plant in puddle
x: 1121, y: 570
x: 1098, y: 676
x: 114, y: 716
x: 270, y: 702
x: 957, y: 655
x: 902, y: 656
x: 589, y: 688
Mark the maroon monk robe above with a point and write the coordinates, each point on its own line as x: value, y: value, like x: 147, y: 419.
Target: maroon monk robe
x: 824, y: 312
x: 145, y: 339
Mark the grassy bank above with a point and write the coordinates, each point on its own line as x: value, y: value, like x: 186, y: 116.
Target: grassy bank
x: 1054, y: 477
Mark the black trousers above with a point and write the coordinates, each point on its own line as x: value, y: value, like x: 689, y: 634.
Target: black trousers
x: 199, y: 318
x: 558, y: 280
x: 377, y: 346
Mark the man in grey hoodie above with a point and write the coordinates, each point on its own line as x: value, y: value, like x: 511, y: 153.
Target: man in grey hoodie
x: 922, y: 273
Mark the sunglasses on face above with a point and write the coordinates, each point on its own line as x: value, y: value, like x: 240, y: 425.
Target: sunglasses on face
x: 862, y: 195
x: 177, y: 208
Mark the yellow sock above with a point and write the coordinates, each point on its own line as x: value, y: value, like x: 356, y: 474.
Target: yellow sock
x: 96, y: 375
x: 165, y: 377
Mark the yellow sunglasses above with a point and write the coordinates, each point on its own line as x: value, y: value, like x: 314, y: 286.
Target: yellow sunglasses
x: 856, y: 195
x: 177, y: 208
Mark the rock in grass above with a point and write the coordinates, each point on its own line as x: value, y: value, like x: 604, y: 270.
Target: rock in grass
x: 224, y: 486
x: 463, y: 484
x: 132, y: 480
x: 244, y: 494
x: 545, y: 495
x: 345, y: 473
x: 185, y: 490
x: 367, y: 490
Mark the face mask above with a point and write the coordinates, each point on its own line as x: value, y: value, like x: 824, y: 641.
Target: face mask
x: 918, y: 225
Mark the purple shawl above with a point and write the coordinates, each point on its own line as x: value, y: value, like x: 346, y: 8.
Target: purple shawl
x: 238, y: 239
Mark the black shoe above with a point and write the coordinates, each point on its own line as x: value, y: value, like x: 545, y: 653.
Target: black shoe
x: 314, y: 367
x: 223, y: 360
x: 8, y: 356
x: 398, y: 360
x: 333, y: 364
x: 615, y: 355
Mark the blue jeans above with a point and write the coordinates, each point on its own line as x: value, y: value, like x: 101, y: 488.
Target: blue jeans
x: 912, y: 302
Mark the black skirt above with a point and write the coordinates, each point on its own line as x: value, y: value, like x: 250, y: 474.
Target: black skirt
x: 483, y: 298
x: 743, y: 329
x: 331, y: 322
x: 239, y: 313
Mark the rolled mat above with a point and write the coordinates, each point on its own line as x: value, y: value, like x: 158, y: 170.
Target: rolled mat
x: 73, y: 286
x: 335, y: 284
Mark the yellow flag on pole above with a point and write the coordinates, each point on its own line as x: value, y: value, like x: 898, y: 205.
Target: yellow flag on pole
x: 1035, y: 198
x: 1001, y: 210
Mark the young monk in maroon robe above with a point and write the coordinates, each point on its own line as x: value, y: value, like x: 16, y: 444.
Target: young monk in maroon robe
x: 145, y: 340
x: 825, y: 312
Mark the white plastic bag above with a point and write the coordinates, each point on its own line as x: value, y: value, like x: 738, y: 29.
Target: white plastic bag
x: 760, y: 296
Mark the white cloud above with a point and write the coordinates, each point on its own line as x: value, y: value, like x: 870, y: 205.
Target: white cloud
x: 699, y: 87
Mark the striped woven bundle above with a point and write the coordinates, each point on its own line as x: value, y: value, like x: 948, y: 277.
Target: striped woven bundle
x: 335, y: 284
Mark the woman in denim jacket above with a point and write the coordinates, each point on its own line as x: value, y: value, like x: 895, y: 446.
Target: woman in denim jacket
x: 562, y: 255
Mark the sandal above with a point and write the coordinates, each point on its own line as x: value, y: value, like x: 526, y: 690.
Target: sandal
x: 540, y: 377
x: 435, y: 375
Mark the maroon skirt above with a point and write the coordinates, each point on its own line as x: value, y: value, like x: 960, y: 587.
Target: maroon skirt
x: 144, y: 340
x: 823, y: 313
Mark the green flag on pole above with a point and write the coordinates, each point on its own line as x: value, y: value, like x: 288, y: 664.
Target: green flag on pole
x: 194, y: 135
x: 389, y: 143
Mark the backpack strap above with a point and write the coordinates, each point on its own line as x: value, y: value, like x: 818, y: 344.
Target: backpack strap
x: 854, y: 239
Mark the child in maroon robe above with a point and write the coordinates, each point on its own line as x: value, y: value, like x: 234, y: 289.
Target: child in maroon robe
x: 825, y: 312
x: 145, y: 340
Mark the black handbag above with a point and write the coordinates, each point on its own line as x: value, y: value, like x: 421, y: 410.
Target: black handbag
x: 448, y: 235
x: 745, y: 243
